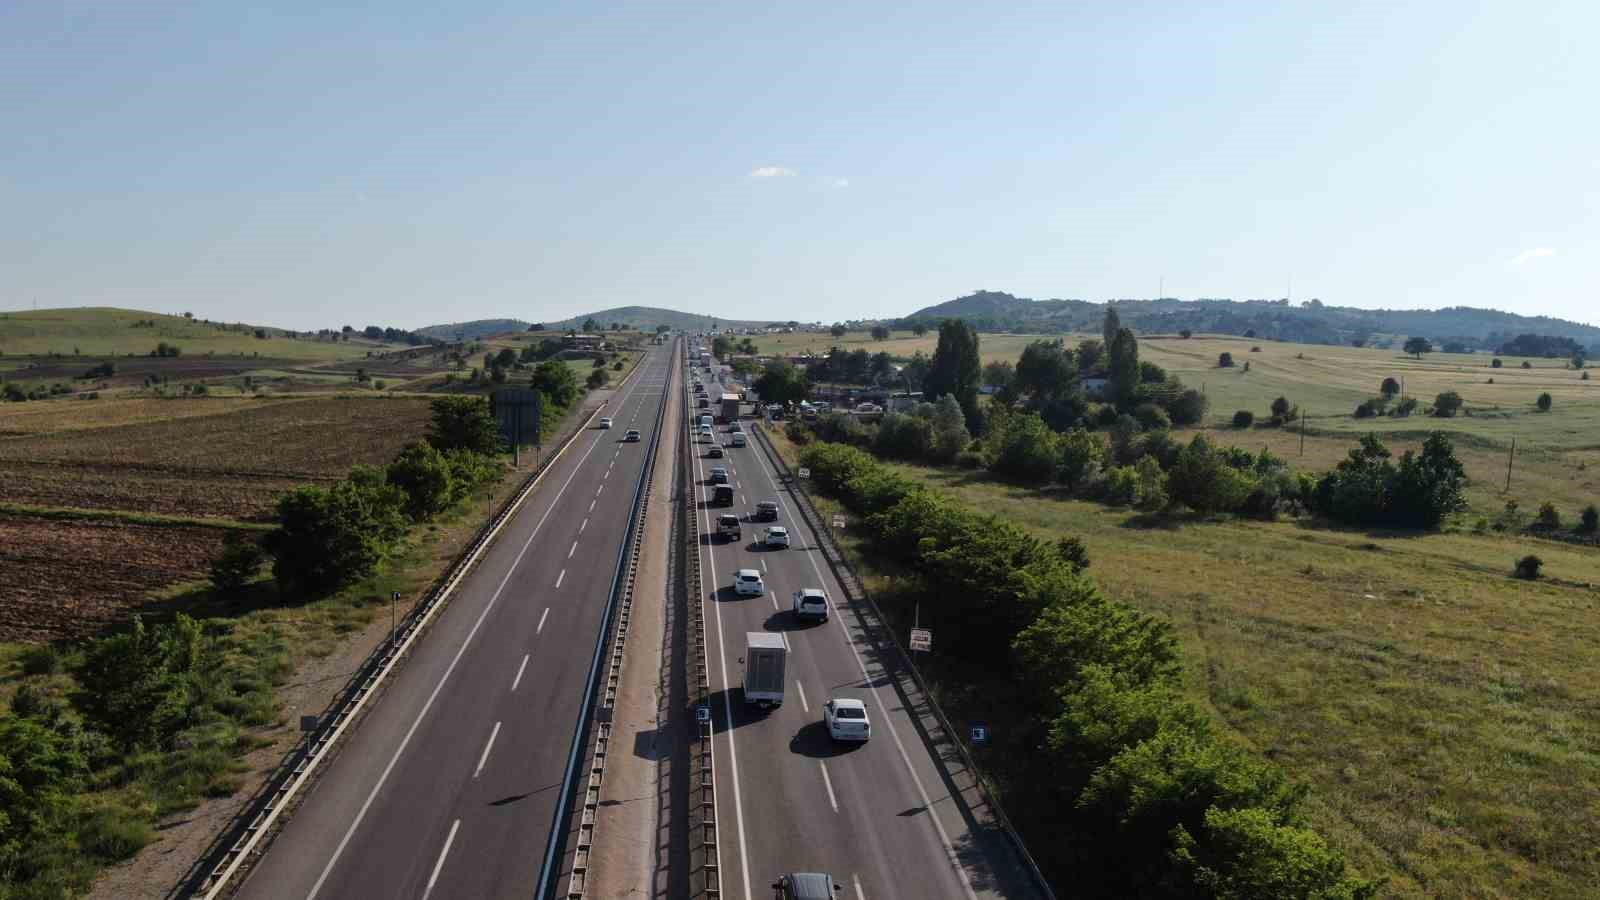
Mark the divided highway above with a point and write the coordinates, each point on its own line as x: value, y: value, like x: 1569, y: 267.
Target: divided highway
x: 451, y: 786
x: 878, y: 816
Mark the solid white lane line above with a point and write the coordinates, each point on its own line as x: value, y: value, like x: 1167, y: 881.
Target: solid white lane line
x: 434, y: 695
x: 922, y: 792
x: 573, y: 550
x: 560, y: 577
x: 546, y: 615
x: 518, y: 680
x: 434, y: 878
x: 828, y: 783
x: 486, y: 747
x: 803, y: 704
x: 583, y: 526
x: 860, y: 894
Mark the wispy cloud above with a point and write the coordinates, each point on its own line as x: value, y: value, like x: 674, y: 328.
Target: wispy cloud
x: 772, y: 172
x: 1535, y: 253
x: 836, y: 182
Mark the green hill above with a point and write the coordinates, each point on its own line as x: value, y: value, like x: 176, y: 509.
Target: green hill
x: 106, y: 331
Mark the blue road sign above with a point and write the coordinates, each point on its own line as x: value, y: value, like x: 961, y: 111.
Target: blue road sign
x: 980, y: 733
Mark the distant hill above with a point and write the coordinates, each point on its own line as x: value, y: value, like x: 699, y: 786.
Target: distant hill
x: 108, y: 331
x: 644, y: 318
x: 1309, y: 322
x: 477, y: 328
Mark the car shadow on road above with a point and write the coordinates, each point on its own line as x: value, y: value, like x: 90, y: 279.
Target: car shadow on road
x: 786, y: 620
x: 743, y: 713
x: 813, y: 740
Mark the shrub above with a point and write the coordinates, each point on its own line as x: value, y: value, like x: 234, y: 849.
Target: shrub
x: 1081, y: 452
x: 1188, y: 408
x: 1585, y: 376
x: 40, y: 659
x: 1405, y: 408
x: 1526, y: 364
x: 1368, y: 488
x: 556, y: 381
x: 839, y: 428
x: 1244, y: 418
x: 598, y: 378
x: 1589, y: 519
x: 328, y: 537
x: 1025, y: 449
x: 424, y: 474
x: 463, y: 423
x: 1247, y: 365
x: 971, y: 459
x: 798, y: 433
x: 1282, y: 410
x: 1495, y: 363
x: 238, y: 562
x: 1152, y: 484
x: 1370, y: 407
x: 1151, y: 417
x: 1447, y: 404
x: 1225, y: 360
x: 1528, y: 567
x: 1121, y: 486
x: 904, y: 437
x: 1548, y: 518
x: 1185, y: 333
x: 1543, y: 402
x: 1389, y: 388
x: 139, y: 687
x: 1201, y: 479
x: 1255, y: 349
x: 617, y: 366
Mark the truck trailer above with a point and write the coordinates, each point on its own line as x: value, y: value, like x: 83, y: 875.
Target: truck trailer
x: 764, y: 664
x: 730, y: 407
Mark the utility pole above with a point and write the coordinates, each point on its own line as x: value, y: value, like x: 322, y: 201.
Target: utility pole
x: 394, y: 600
x: 1302, y: 431
x: 1509, y: 457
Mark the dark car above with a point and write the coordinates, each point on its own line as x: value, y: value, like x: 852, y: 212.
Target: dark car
x: 806, y: 886
x: 715, y: 452
x: 766, y: 511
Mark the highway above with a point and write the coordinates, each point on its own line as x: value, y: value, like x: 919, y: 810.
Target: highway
x: 451, y: 785
x: 878, y: 816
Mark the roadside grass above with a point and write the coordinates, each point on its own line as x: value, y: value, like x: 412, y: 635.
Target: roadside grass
x: 1440, y: 710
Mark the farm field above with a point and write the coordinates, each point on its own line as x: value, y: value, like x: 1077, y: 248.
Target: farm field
x: 218, y: 460
x: 1440, y: 710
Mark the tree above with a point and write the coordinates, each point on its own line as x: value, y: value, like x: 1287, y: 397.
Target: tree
x: 556, y: 381
x: 1544, y: 402
x: 1281, y: 408
x: 1244, y: 418
x: 1447, y: 404
x: 880, y: 333
x: 919, y: 328
x: 1389, y: 388
x: 1110, y: 325
x: 423, y: 473
x: 904, y: 437
x: 1416, y: 346
x: 1589, y: 519
x: 663, y: 329
x: 1081, y: 452
x: 837, y: 330
x: 1045, y: 370
x: 463, y: 423
x: 782, y: 383
x: 1185, y: 333
x: 882, y: 366
x: 238, y: 562
x: 1528, y: 567
x: 1188, y: 408
x: 1026, y: 450
x: 139, y: 684
x: 955, y: 367
x: 590, y: 326
x: 999, y: 375
x: 915, y: 372
x: 1122, y: 374
x: 1225, y: 360
x: 1201, y: 479
x: 950, y: 435
x: 1427, y: 486
x: 329, y: 537
x: 1496, y: 363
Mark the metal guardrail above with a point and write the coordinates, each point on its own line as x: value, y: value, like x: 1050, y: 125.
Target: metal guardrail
x: 705, y: 870
x: 316, y: 749
x: 599, y: 750
x: 857, y: 591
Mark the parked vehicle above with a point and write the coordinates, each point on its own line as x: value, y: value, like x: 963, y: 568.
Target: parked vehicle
x: 765, y: 658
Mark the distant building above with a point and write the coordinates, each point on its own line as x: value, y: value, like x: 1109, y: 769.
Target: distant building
x: 583, y: 341
x: 1094, y: 387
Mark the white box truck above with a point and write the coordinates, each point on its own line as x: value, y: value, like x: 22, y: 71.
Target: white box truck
x: 764, y: 664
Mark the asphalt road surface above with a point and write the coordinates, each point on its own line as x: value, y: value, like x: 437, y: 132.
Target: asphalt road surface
x: 877, y: 816
x: 450, y: 786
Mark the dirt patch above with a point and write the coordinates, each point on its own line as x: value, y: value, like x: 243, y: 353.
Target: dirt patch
x: 111, y: 487
x: 67, y: 578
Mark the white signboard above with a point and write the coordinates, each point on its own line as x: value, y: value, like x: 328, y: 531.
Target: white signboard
x: 805, y: 472
x: 838, y: 521
x: 921, y: 639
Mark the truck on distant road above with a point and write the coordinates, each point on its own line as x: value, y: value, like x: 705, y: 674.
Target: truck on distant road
x: 764, y: 658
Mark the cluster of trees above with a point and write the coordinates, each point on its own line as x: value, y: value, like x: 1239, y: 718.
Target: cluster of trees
x: 329, y: 537
x: 1368, y: 488
x: 929, y: 432
x: 1547, y: 346
x: 166, y: 350
x: 1119, y: 784
x: 851, y: 367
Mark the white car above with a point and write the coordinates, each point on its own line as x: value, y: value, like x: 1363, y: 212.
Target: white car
x: 707, y: 433
x: 631, y: 436
x: 811, y: 603
x: 846, y: 719
x: 605, y: 422
x: 748, y: 583
x: 777, y: 536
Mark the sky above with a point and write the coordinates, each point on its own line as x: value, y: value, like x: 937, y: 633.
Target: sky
x: 407, y: 163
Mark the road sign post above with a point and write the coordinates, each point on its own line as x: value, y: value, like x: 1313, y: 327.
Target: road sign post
x: 921, y: 640
x: 394, y: 600
x: 804, y: 472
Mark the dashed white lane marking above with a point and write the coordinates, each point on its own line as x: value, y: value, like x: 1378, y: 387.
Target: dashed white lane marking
x: 560, y: 577
x: 803, y: 704
x: 856, y: 879
x: 486, y: 748
x: 518, y: 680
x: 583, y: 526
x: 540, y: 629
x: 434, y: 878
x: 763, y: 565
x: 573, y: 550
x: 591, y: 505
x: 828, y: 783
x: 598, y: 490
